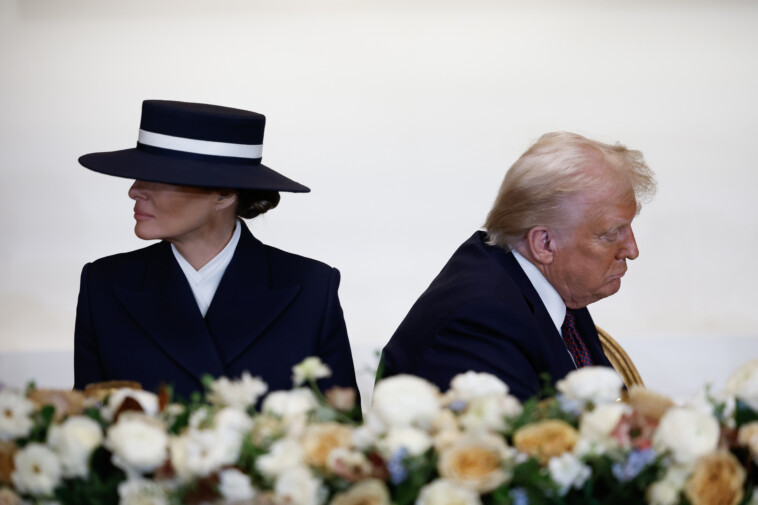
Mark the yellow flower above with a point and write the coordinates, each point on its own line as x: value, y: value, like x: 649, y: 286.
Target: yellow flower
x: 716, y: 480
x: 546, y: 439
x: 367, y: 492
x: 648, y: 403
x: 477, y: 461
x: 320, y: 439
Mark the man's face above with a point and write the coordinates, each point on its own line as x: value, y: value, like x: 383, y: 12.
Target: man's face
x: 590, y: 254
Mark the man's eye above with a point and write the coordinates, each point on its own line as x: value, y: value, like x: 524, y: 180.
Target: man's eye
x: 611, y: 236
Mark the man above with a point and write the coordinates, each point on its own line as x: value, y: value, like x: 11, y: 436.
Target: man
x: 512, y: 300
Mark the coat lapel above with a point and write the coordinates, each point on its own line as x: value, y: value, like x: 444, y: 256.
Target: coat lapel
x: 166, y: 311
x: 245, y: 305
x: 564, y: 363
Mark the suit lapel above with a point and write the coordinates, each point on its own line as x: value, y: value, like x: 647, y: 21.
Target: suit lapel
x: 166, y: 311
x: 245, y: 305
x: 564, y: 363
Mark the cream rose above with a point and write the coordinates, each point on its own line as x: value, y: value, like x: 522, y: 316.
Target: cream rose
x: 297, y: 486
x: 283, y: 455
x: 74, y: 441
x: 467, y: 386
x: 15, y: 415
x: 147, y: 401
x: 139, y: 443
x: 568, y: 471
x: 743, y: 384
x: 235, y: 486
x: 38, y: 470
x: 413, y: 440
x: 241, y: 393
x: 596, y: 426
x: 405, y: 400
x: 367, y: 492
x: 688, y: 434
x: 594, y: 384
x: 447, y: 492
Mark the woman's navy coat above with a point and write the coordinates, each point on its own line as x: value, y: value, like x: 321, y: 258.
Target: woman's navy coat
x: 137, y: 319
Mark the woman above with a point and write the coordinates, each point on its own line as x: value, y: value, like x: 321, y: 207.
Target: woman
x: 210, y: 298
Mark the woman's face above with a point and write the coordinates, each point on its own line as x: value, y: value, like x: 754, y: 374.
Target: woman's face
x: 177, y: 214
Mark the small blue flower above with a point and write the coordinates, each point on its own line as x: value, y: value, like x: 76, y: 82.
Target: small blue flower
x: 635, y: 463
x: 519, y: 496
x: 395, y: 467
x: 457, y: 405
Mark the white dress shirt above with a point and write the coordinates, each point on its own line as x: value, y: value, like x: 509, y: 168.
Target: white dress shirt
x: 549, y: 296
x: 205, y: 281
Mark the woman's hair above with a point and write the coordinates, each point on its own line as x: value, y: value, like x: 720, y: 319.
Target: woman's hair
x: 558, y: 166
x: 254, y: 202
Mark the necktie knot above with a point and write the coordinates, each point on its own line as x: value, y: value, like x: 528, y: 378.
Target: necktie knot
x: 574, y: 342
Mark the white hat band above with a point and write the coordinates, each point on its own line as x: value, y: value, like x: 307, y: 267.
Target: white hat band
x: 250, y: 151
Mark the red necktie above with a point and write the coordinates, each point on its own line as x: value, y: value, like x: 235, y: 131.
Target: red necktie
x: 574, y: 342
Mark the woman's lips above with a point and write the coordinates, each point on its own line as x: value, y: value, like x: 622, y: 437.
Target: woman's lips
x: 141, y: 216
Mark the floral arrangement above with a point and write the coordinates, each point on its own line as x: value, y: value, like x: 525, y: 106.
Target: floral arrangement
x: 472, y: 445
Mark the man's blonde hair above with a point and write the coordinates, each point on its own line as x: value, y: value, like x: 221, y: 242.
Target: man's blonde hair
x: 558, y: 166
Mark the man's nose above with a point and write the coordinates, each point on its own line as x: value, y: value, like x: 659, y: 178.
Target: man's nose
x: 629, y: 250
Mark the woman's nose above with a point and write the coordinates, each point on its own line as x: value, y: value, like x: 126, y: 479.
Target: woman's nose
x: 138, y: 190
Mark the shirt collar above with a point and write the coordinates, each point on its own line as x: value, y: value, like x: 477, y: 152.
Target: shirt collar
x: 547, y: 293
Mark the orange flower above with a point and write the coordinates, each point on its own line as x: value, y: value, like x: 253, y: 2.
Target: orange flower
x: 717, y: 479
x: 546, y: 439
x: 478, y: 462
x: 320, y: 439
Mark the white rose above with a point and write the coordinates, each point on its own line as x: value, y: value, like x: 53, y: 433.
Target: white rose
x: 595, y: 384
x: 596, y: 426
x: 138, y: 443
x: 15, y: 415
x: 74, y: 441
x: 488, y: 413
x: 241, y: 393
x: 311, y: 368
x: 233, y: 420
x: 147, y: 401
x: 470, y: 385
x: 235, y: 486
x: 446, y: 492
x: 289, y: 404
x: 687, y: 433
x: 568, y: 471
x: 414, y: 440
x: 405, y: 400
x: 298, y: 486
x: 743, y: 384
x: 667, y: 490
x: 37, y: 470
x: 283, y: 455
x: 141, y: 492
x: 199, y: 453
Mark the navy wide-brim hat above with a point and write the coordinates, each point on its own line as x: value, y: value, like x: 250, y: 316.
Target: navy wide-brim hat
x: 194, y: 144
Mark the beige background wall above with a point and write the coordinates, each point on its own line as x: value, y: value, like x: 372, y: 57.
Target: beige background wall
x: 402, y: 117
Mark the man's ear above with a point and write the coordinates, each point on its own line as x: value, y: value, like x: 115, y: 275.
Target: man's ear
x: 224, y: 200
x: 541, y: 244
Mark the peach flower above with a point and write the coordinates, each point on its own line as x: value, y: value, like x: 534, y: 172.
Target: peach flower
x: 546, y: 439
x: 717, y: 479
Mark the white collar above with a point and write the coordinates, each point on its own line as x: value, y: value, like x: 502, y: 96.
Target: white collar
x: 205, y: 281
x: 547, y: 293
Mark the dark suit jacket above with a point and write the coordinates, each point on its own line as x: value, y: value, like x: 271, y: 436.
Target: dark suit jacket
x: 481, y: 313
x: 137, y: 319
